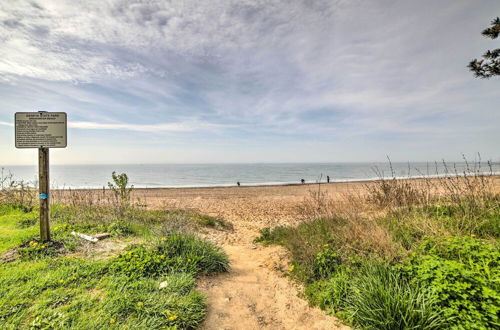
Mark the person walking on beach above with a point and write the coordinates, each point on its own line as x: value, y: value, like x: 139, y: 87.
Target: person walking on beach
x: 238, y: 183
x: 302, y: 181
x: 327, y: 179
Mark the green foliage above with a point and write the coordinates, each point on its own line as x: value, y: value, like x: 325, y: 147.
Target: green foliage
x: 483, y: 221
x: 332, y: 293
x: 409, y: 226
x: 382, y: 300
x: 34, y: 249
x: 175, y: 253
x: 11, y: 233
x: 326, y: 262
x: 27, y: 222
x: 303, y: 241
x: 374, y: 296
x: 462, y: 274
x: 72, y: 293
x: 445, y: 283
x: 120, y: 187
x: 489, y: 65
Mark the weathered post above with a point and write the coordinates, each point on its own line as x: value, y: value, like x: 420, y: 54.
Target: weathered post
x: 43, y: 179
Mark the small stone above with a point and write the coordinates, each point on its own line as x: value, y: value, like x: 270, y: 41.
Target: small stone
x: 227, y: 299
x: 163, y: 285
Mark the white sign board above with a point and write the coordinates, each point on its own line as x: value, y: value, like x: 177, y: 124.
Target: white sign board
x: 41, y: 129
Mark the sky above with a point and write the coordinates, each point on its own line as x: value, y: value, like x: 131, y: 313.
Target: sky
x: 239, y: 81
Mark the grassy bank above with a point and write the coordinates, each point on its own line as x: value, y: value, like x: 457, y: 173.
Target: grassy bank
x: 403, y: 255
x: 143, y: 276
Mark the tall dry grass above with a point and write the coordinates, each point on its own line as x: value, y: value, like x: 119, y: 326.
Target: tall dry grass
x: 18, y: 193
x: 391, y: 213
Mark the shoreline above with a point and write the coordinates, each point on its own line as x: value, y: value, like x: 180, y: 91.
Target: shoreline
x: 495, y: 176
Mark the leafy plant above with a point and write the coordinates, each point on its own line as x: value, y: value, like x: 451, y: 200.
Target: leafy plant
x: 462, y: 274
x: 326, y: 262
x: 121, y: 190
x: 332, y: 293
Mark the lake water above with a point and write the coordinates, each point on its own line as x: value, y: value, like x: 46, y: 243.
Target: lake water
x: 207, y: 175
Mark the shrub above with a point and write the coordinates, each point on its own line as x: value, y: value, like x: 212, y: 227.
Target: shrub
x: 462, y: 274
x: 173, y: 254
x: 121, y: 191
x: 326, y: 262
x: 382, y: 300
x: 332, y: 293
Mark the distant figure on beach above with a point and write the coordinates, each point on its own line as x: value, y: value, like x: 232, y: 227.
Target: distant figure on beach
x: 302, y: 181
x: 327, y: 179
x: 238, y: 183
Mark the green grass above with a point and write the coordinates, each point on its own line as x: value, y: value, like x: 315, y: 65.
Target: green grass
x: 74, y: 293
x: 16, y: 227
x: 49, y: 287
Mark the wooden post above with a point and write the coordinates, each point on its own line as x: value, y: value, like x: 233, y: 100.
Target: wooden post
x: 43, y: 178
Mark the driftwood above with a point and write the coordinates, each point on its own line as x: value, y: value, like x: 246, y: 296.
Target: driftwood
x: 87, y: 237
x: 93, y: 239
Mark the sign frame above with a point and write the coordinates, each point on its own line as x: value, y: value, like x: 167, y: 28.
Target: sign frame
x: 41, y: 113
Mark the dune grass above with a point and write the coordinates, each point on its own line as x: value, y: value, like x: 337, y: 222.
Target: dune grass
x: 409, y: 255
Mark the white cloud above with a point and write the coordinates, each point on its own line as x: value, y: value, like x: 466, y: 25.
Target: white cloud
x: 152, y: 128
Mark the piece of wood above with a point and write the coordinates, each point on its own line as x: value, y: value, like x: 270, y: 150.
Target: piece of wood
x: 101, y: 236
x: 43, y: 179
x: 87, y: 237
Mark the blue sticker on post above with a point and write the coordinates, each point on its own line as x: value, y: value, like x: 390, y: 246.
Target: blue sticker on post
x: 44, y: 196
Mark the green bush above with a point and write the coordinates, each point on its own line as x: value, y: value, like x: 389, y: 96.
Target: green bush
x: 173, y: 254
x: 382, y: 300
x: 462, y: 274
x: 332, y: 293
x: 326, y: 262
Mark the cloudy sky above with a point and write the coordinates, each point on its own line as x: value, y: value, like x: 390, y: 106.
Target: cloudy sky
x: 251, y: 81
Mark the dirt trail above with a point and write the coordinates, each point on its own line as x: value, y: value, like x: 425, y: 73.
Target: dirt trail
x: 255, y: 294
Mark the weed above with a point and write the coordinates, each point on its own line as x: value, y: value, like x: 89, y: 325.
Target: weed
x: 35, y: 249
x: 462, y: 274
x: 174, y: 254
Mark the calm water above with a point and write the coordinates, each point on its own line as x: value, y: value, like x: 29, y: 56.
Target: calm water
x: 190, y: 175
